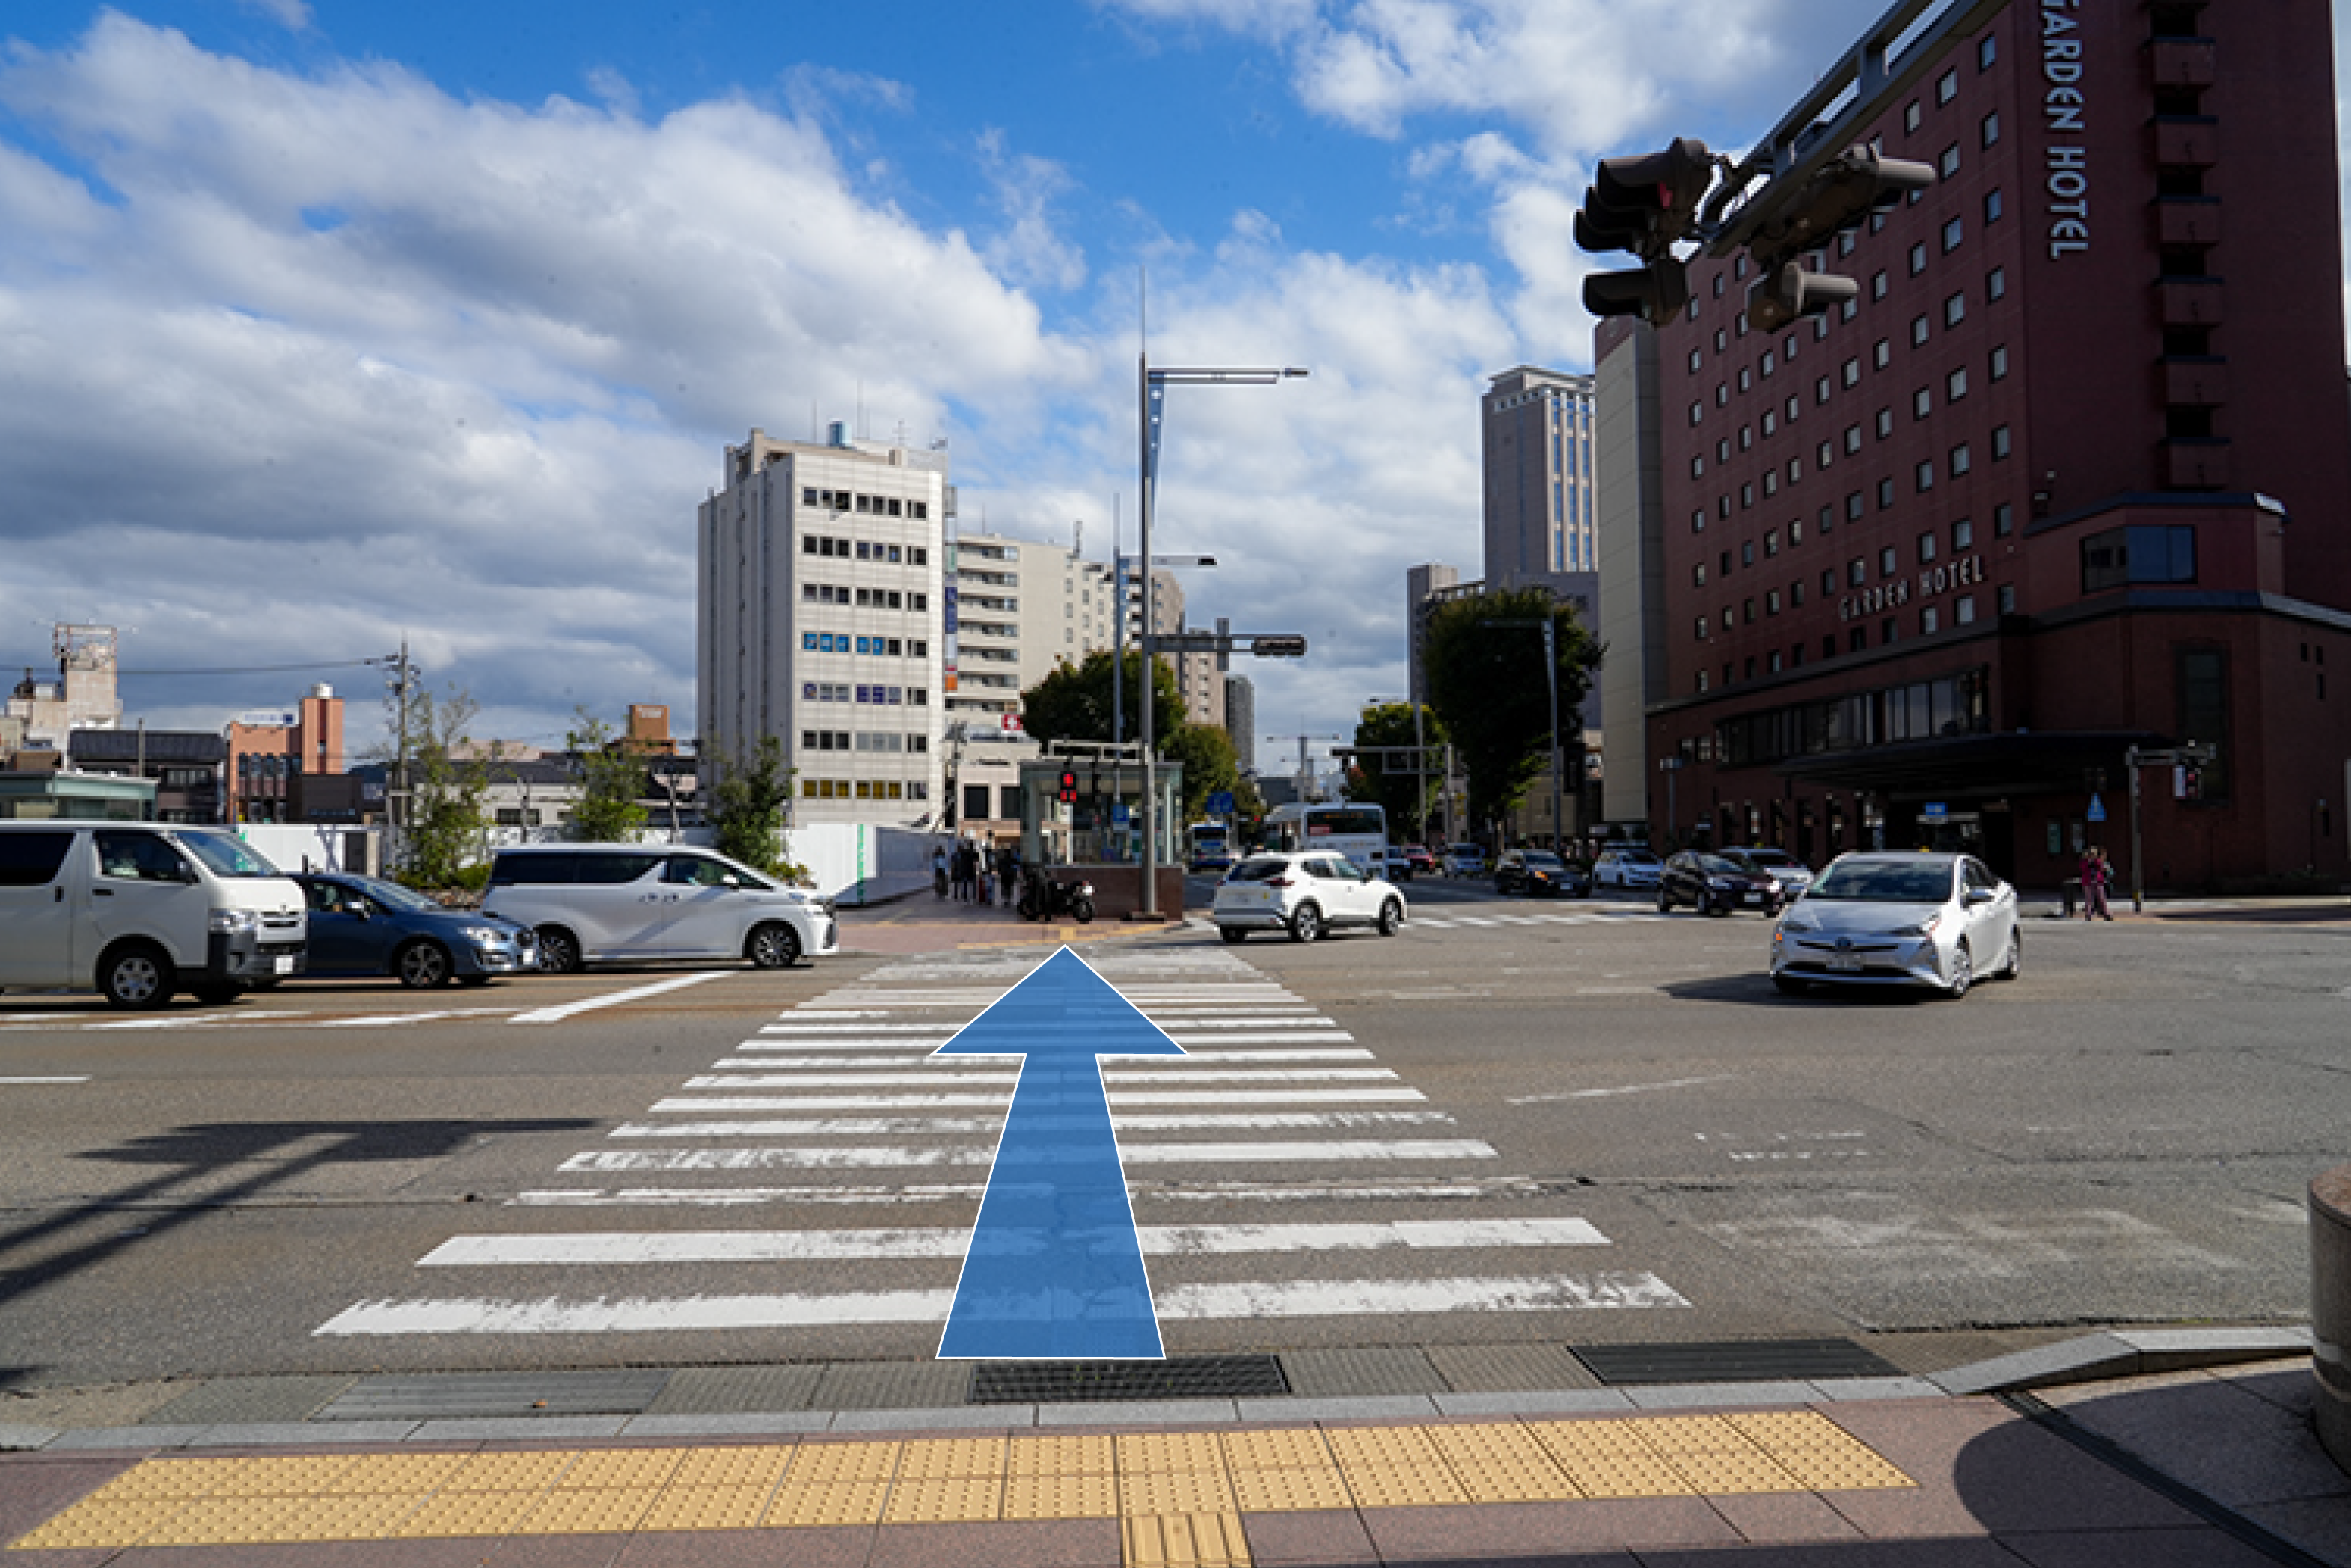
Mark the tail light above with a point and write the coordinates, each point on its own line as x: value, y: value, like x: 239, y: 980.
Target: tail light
x: 1279, y: 882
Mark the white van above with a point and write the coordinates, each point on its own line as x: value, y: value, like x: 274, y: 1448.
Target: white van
x: 139, y: 910
x: 593, y: 903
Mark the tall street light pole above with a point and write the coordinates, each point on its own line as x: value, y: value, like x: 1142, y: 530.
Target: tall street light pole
x: 1150, y: 386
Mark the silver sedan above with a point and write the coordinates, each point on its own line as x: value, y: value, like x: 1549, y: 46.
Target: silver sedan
x: 1938, y: 921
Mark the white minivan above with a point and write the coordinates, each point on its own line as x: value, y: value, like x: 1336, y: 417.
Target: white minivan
x: 593, y: 903
x: 139, y: 910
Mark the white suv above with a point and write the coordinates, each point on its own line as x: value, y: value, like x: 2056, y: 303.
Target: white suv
x: 594, y: 904
x: 1304, y: 894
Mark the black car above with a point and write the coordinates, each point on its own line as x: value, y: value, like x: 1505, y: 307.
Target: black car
x: 1712, y: 884
x: 363, y: 925
x: 1540, y: 873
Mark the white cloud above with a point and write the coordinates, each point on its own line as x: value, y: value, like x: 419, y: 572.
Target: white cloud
x: 1029, y: 250
x: 294, y: 16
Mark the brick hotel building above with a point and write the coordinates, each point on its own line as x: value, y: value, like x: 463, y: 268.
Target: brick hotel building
x: 2069, y: 475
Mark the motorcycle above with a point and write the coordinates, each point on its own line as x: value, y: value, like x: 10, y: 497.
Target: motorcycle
x: 1043, y: 898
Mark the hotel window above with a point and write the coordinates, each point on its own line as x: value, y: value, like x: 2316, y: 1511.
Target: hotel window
x: 1955, y: 310
x: 1947, y: 88
x: 1698, y: 470
x: 1882, y: 355
x: 1884, y: 423
x: 1771, y: 483
x: 1746, y: 553
x: 1963, y: 535
x: 1993, y: 207
x: 1886, y: 633
x: 1986, y: 52
x: 1918, y: 259
x: 1954, y: 231
x: 1856, y: 571
x: 1955, y: 385
x: 1926, y: 547
x: 1722, y: 450
x: 1795, y: 531
x: 2007, y: 599
x: 1820, y: 390
x: 1962, y: 460
x: 2148, y: 552
x: 1999, y: 362
x: 1909, y: 122
x: 1775, y: 661
x: 1824, y: 521
x: 1998, y: 443
x: 1925, y: 475
x: 1722, y: 506
x: 1745, y: 379
x: 1697, y: 521
x: 1770, y: 543
x: 1828, y: 583
x: 1793, y: 404
x: 1859, y: 638
x: 1853, y: 506
x: 1771, y: 426
x: 2002, y: 521
x: 1748, y: 611
x: 1701, y: 686
x: 1846, y: 242
x: 1991, y: 128
x: 1698, y: 358
x: 1963, y: 613
x: 1849, y: 309
x: 1746, y: 437
x: 1851, y: 439
x: 1827, y: 452
x: 1721, y: 345
x: 1884, y: 495
x: 1996, y: 283
x: 1948, y: 165
x: 1796, y: 595
x: 1718, y: 294
x: 1747, y: 494
x: 1853, y: 371
x: 1919, y: 328
x: 1878, y: 284
x: 1701, y: 637
x: 1697, y: 413
x: 1922, y: 403
x: 1931, y: 621
x: 1771, y: 604
x: 1722, y: 395
x: 1768, y: 362
x: 1697, y: 578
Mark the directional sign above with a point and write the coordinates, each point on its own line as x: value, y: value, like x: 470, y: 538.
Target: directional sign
x: 1054, y: 1270
x: 2098, y: 812
x: 1220, y: 804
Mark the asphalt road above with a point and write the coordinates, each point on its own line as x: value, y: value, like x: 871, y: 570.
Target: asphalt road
x: 1610, y: 1113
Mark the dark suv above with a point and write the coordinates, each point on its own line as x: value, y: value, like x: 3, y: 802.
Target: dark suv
x: 1539, y: 873
x: 1712, y: 884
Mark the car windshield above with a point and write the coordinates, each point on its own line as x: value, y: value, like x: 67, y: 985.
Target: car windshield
x: 1636, y: 857
x: 1885, y: 882
x: 226, y: 856
x: 1259, y: 870
x: 1543, y: 860
x: 1721, y: 865
x: 1764, y: 857
x: 392, y: 896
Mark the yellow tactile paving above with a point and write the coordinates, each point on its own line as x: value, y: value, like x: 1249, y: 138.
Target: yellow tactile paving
x: 1179, y: 1495
x: 1185, y: 1541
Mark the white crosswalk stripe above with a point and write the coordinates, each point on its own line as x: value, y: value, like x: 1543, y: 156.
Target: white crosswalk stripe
x: 1275, y: 1103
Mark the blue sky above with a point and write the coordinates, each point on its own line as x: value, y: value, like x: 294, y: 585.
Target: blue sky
x: 330, y: 322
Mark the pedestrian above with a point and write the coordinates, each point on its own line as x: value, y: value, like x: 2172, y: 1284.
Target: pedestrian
x: 2097, y: 896
x: 939, y: 871
x: 1008, y: 867
x: 984, y: 863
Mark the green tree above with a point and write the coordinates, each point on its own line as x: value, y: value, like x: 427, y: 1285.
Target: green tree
x: 438, y: 791
x: 746, y: 810
x: 1210, y: 763
x: 612, y: 779
x: 1073, y: 703
x: 1387, y: 777
x: 1486, y: 683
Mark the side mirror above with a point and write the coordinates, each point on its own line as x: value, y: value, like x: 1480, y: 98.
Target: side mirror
x: 1976, y: 896
x: 730, y: 880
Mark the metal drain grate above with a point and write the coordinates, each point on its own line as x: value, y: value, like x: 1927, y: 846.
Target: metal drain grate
x: 430, y: 1397
x: 1177, y: 1377
x: 1734, y: 1360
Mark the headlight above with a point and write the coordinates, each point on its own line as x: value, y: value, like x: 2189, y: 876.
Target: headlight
x: 1924, y: 928
x: 230, y: 921
x: 486, y: 935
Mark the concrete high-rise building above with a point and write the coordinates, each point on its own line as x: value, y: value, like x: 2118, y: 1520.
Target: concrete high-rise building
x: 820, y: 621
x: 1240, y: 720
x: 1421, y: 586
x: 2065, y: 479
x: 1019, y: 606
x: 1539, y: 512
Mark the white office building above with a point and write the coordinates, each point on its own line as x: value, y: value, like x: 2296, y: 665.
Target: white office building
x: 1016, y: 608
x: 820, y: 621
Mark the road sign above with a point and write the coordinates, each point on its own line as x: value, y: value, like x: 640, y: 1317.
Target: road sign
x: 1054, y: 1270
x: 2098, y: 812
x: 1935, y: 811
x: 1220, y: 804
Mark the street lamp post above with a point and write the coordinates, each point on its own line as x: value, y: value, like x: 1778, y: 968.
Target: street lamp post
x: 1150, y: 386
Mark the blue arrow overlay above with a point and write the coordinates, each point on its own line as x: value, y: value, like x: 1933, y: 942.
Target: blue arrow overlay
x: 1054, y: 1270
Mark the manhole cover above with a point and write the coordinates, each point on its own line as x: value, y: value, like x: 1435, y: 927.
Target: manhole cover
x: 1734, y: 1360
x: 1178, y: 1377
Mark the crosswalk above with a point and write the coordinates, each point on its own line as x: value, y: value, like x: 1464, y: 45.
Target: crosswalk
x: 1320, y: 1164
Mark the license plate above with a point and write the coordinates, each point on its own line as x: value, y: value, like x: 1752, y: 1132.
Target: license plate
x: 285, y: 964
x: 1845, y: 960
x: 1754, y: 898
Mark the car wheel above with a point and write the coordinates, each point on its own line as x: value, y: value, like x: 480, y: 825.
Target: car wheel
x: 2015, y: 965
x: 1391, y: 916
x: 421, y: 965
x: 1306, y: 925
x: 1233, y: 934
x: 1963, y: 971
x: 1788, y: 985
x: 558, y: 951
x: 1664, y: 901
x: 773, y: 947
x: 136, y: 977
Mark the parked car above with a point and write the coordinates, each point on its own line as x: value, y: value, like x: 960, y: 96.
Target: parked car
x: 1625, y: 866
x: 1463, y: 859
x: 1417, y: 857
x: 1792, y: 874
x: 363, y: 925
x: 1715, y: 884
x: 141, y: 910
x: 1305, y: 895
x: 1540, y: 874
x: 597, y: 903
x: 1906, y: 918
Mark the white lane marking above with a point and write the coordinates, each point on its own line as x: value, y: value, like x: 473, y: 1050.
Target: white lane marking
x: 600, y: 1248
x: 906, y: 1195
x: 715, y: 1102
x: 1296, y: 1299
x: 1268, y: 1153
x: 834, y: 1031
x: 393, y: 1021
x: 1472, y: 920
x: 974, y: 1126
x: 1627, y: 1089
x: 61, y: 1078
x: 614, y: 999
x: 1114, y: 1077
x: 1258, y: 1053
x: 186, y: 1021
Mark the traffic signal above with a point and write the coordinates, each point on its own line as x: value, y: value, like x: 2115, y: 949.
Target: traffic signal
x: 1844, y: 192
x: 1644, y: 205
x: 1069, y: 786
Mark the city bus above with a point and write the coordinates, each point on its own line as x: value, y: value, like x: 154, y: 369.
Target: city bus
x: 1355, y: 828
x: 1212, y: 847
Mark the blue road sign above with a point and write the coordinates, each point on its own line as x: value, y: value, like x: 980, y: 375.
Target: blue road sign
x: 1054, y: 1270
x: 2098, y: 812
x: 1220, y: 804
